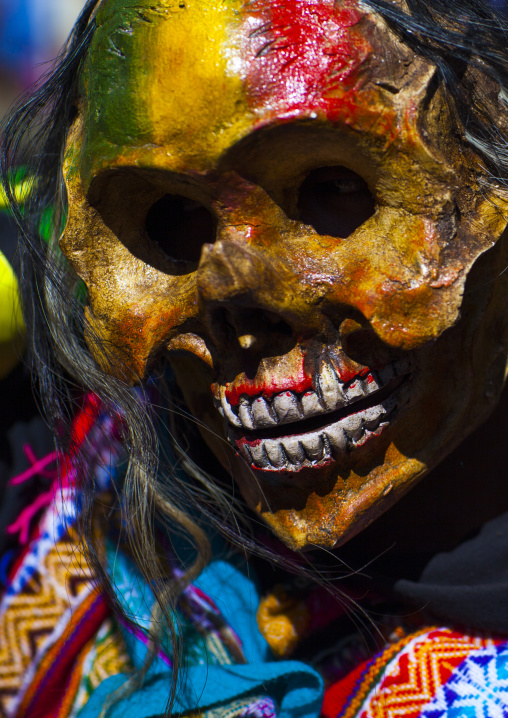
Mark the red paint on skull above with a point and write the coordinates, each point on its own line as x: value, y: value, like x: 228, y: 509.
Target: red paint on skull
x: 304, y: 56
x: 298, y: 382
x: 347, y: 373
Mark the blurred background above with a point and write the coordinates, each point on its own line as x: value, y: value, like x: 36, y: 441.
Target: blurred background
x: 31, y: 33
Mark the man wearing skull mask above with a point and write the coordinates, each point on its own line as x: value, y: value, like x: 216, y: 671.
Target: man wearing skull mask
x: 299, y: 207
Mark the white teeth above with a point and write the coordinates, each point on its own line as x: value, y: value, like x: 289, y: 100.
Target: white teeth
x: 354, y: 391
x: 329, y: 387
x: 313, y: 445
x: 293, y: 449
x: 311, y: 404
x: 371, y: 417
x: 331, y: 394
x: 275, y: 453
x: 245, y: 413
x: 369, y: 384
x: 291, y: 453
x: 352, y: 425
x: 286, y: 407
x: 337, y: 438
x: 262, y: 413
x: 259, y: 455
x: 227, y: 409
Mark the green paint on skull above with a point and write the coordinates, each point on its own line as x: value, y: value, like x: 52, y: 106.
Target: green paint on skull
x: 114, y: 87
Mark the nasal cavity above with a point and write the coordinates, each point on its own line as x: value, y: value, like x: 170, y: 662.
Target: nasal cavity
x: 180, y: 226
x: 335, y: 201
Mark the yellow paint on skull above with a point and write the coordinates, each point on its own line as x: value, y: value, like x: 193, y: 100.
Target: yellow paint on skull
x: 163, y: 86
x: 196, y: 84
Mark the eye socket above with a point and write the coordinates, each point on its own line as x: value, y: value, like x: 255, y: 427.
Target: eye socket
x: 335, y: 201
x: 180, y: 226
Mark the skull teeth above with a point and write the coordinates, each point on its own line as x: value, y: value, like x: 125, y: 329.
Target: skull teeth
x: 244, y: 413
x: 287, y: 407
x: 294, y: 450
x: 316, y: 448
x: 331, y: 388
x: 262, y: 413
x: 311, y: 406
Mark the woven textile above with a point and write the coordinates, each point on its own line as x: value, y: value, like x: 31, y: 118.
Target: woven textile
x: 50, y: 611
x: 106, y: 656
x: 37, y: 617
x: 436, y: 673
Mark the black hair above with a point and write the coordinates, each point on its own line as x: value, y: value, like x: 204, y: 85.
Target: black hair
x: 454, y: 37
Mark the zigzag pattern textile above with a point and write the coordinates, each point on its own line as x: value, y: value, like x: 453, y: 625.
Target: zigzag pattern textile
x: 51, y: 611
x: 437, y: 673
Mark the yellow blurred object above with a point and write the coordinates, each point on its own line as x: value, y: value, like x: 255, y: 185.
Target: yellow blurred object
x: 282, y: 620
x: 12, y: 328
x: 21, y: 191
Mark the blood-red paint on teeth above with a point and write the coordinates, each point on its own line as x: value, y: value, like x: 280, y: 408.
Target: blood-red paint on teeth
x: 298, y: 382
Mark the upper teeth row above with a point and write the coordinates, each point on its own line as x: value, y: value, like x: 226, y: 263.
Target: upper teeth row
x: 331, y: 393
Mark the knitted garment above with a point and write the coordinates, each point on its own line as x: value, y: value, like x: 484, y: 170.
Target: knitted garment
x: 52, y: 619
x: 435, y: 673
x: 63, y: 654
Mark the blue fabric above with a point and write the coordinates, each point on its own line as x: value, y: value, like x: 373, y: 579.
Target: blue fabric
x: 238, y: 599
x: 477, y: 687
x: 294, y: 687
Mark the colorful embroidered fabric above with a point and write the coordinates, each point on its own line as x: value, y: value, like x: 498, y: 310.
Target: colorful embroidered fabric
x: 436, y: 673
x: 50, y: 611
x: 62, y: 652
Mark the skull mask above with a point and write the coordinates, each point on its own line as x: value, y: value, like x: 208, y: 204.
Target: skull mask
x: 278, y: 197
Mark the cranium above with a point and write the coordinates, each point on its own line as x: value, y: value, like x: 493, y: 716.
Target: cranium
x: 279, y: 197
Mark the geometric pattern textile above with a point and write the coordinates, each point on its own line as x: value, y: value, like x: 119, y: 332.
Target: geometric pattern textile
x: 437, y: 673
x: 37, y: 617
x: 51, y: 610
x: 477, y: 689
x: 107, y: 656
x: 53, y: 685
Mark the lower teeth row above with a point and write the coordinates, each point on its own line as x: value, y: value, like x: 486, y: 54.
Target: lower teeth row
x: 333, y: 441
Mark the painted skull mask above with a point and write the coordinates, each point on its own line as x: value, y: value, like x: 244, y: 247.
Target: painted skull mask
x: 277, y: 196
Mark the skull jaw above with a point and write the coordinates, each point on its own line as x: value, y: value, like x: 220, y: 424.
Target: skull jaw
x: 329, y: 505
